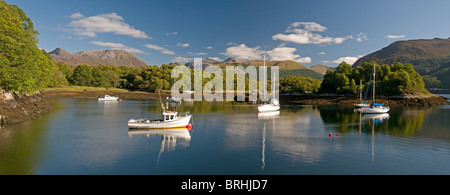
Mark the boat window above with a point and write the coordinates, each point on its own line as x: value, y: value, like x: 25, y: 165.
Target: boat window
x: 171, y: 117
x: 167, y: 117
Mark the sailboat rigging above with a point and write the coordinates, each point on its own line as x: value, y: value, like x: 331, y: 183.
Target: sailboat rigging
x: 375, y: 108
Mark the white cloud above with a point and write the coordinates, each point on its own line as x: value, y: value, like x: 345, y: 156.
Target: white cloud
x: 183, y: 44
x: 198, y: 54
x: 117, y: 46
x: 209, y: 47
x: 286, y: 53
x: 322, y: 53
x: 76, y: 16
x: 181, y: 59
x: 159, y: 48
x: 361, y: 37
x: 302, y: 33
x: 280, y: 53
x: 215, y: 58
x: 395, y: 36
x: 349, y: 60
x: 243, y: 52
x: 310, y: 26
x: 171, y: 33
x: 103, y: 23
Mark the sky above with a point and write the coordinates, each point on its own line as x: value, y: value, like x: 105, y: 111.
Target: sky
x: 164, y: 31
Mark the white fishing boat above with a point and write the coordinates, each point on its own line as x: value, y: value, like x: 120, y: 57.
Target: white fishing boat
x: 107, y: 98
x: 170, y: 120
x: 274, y: 104
x: 375, y: 108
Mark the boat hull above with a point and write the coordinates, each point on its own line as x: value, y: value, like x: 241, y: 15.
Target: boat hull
x: 108, y: 99
x: 268, y: 108
x: 180, y: 122
x: 375, y: 110
x: 362, y: 105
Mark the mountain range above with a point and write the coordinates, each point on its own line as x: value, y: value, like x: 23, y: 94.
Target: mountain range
x: 430, y: 57
x: 123, y: 58
x: 97, y: 57
x: 286, y: 67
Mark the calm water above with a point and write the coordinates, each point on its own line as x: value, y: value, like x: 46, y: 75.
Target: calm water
x: 83, y: 136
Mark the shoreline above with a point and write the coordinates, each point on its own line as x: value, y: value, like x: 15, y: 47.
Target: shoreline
x: 306, y: 99
x: 408, y: 100
x: 16, y: 108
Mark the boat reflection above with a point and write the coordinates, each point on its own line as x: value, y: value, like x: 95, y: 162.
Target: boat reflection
x: 171, y: 138
x: 268, y: 115
x: 265, y: 116
x: 375, y: 119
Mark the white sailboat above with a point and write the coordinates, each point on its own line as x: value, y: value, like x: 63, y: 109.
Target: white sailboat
x: 363, y: 103
x: 274, y: 104
x: 375, y: 108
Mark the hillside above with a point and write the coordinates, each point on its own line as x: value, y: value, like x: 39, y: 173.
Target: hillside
x: 428, y: 56
x: 97, y: 57
x: 286, y: 67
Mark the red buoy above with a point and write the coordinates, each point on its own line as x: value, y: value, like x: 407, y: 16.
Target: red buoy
x: 337, y: 134
x: 331, y: 135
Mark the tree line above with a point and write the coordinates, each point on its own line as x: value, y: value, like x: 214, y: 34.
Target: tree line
x: 395, y: 79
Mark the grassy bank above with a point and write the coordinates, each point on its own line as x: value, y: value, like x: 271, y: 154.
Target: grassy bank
x: 95, y: 92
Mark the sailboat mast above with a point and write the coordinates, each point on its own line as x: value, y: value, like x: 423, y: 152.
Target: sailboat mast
x: 374, y: 79
x: 360, y: 90
x: 264, y: 78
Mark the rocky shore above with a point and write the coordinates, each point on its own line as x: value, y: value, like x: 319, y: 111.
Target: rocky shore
x: 17, y: 107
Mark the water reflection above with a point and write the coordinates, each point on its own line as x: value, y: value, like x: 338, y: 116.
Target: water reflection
x: 87, y: 137
x: 264, y: 116
x: 171, y: 138
x: 375, y: 119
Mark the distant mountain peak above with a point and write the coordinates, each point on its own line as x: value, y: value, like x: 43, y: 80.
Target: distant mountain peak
x: 59, y: 51
x: 231, y: 60
x: 110, y: 57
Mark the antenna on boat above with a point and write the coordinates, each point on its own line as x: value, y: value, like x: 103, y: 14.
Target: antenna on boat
x: 162, y: 105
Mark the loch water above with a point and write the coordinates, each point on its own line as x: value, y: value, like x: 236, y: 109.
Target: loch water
x: 85, y: 136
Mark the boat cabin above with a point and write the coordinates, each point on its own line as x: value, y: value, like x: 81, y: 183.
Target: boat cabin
x: 169, y: 115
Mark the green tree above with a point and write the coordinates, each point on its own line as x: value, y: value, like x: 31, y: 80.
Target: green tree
x: 82, y: 76
x: 24, y: 67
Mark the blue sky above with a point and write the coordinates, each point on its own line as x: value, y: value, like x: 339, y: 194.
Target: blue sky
x: 309, y: 32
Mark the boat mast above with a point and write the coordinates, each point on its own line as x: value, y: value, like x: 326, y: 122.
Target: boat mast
x: 264, y: 78
x: 360, y: 90
x: 374, y: 79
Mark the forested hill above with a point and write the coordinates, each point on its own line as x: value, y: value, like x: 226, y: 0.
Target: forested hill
x: 430, y: 58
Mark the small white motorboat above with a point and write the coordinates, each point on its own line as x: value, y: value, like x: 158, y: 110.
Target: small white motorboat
x: 272, y: 107
x: 170, y: 120
x: 107, y: 98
